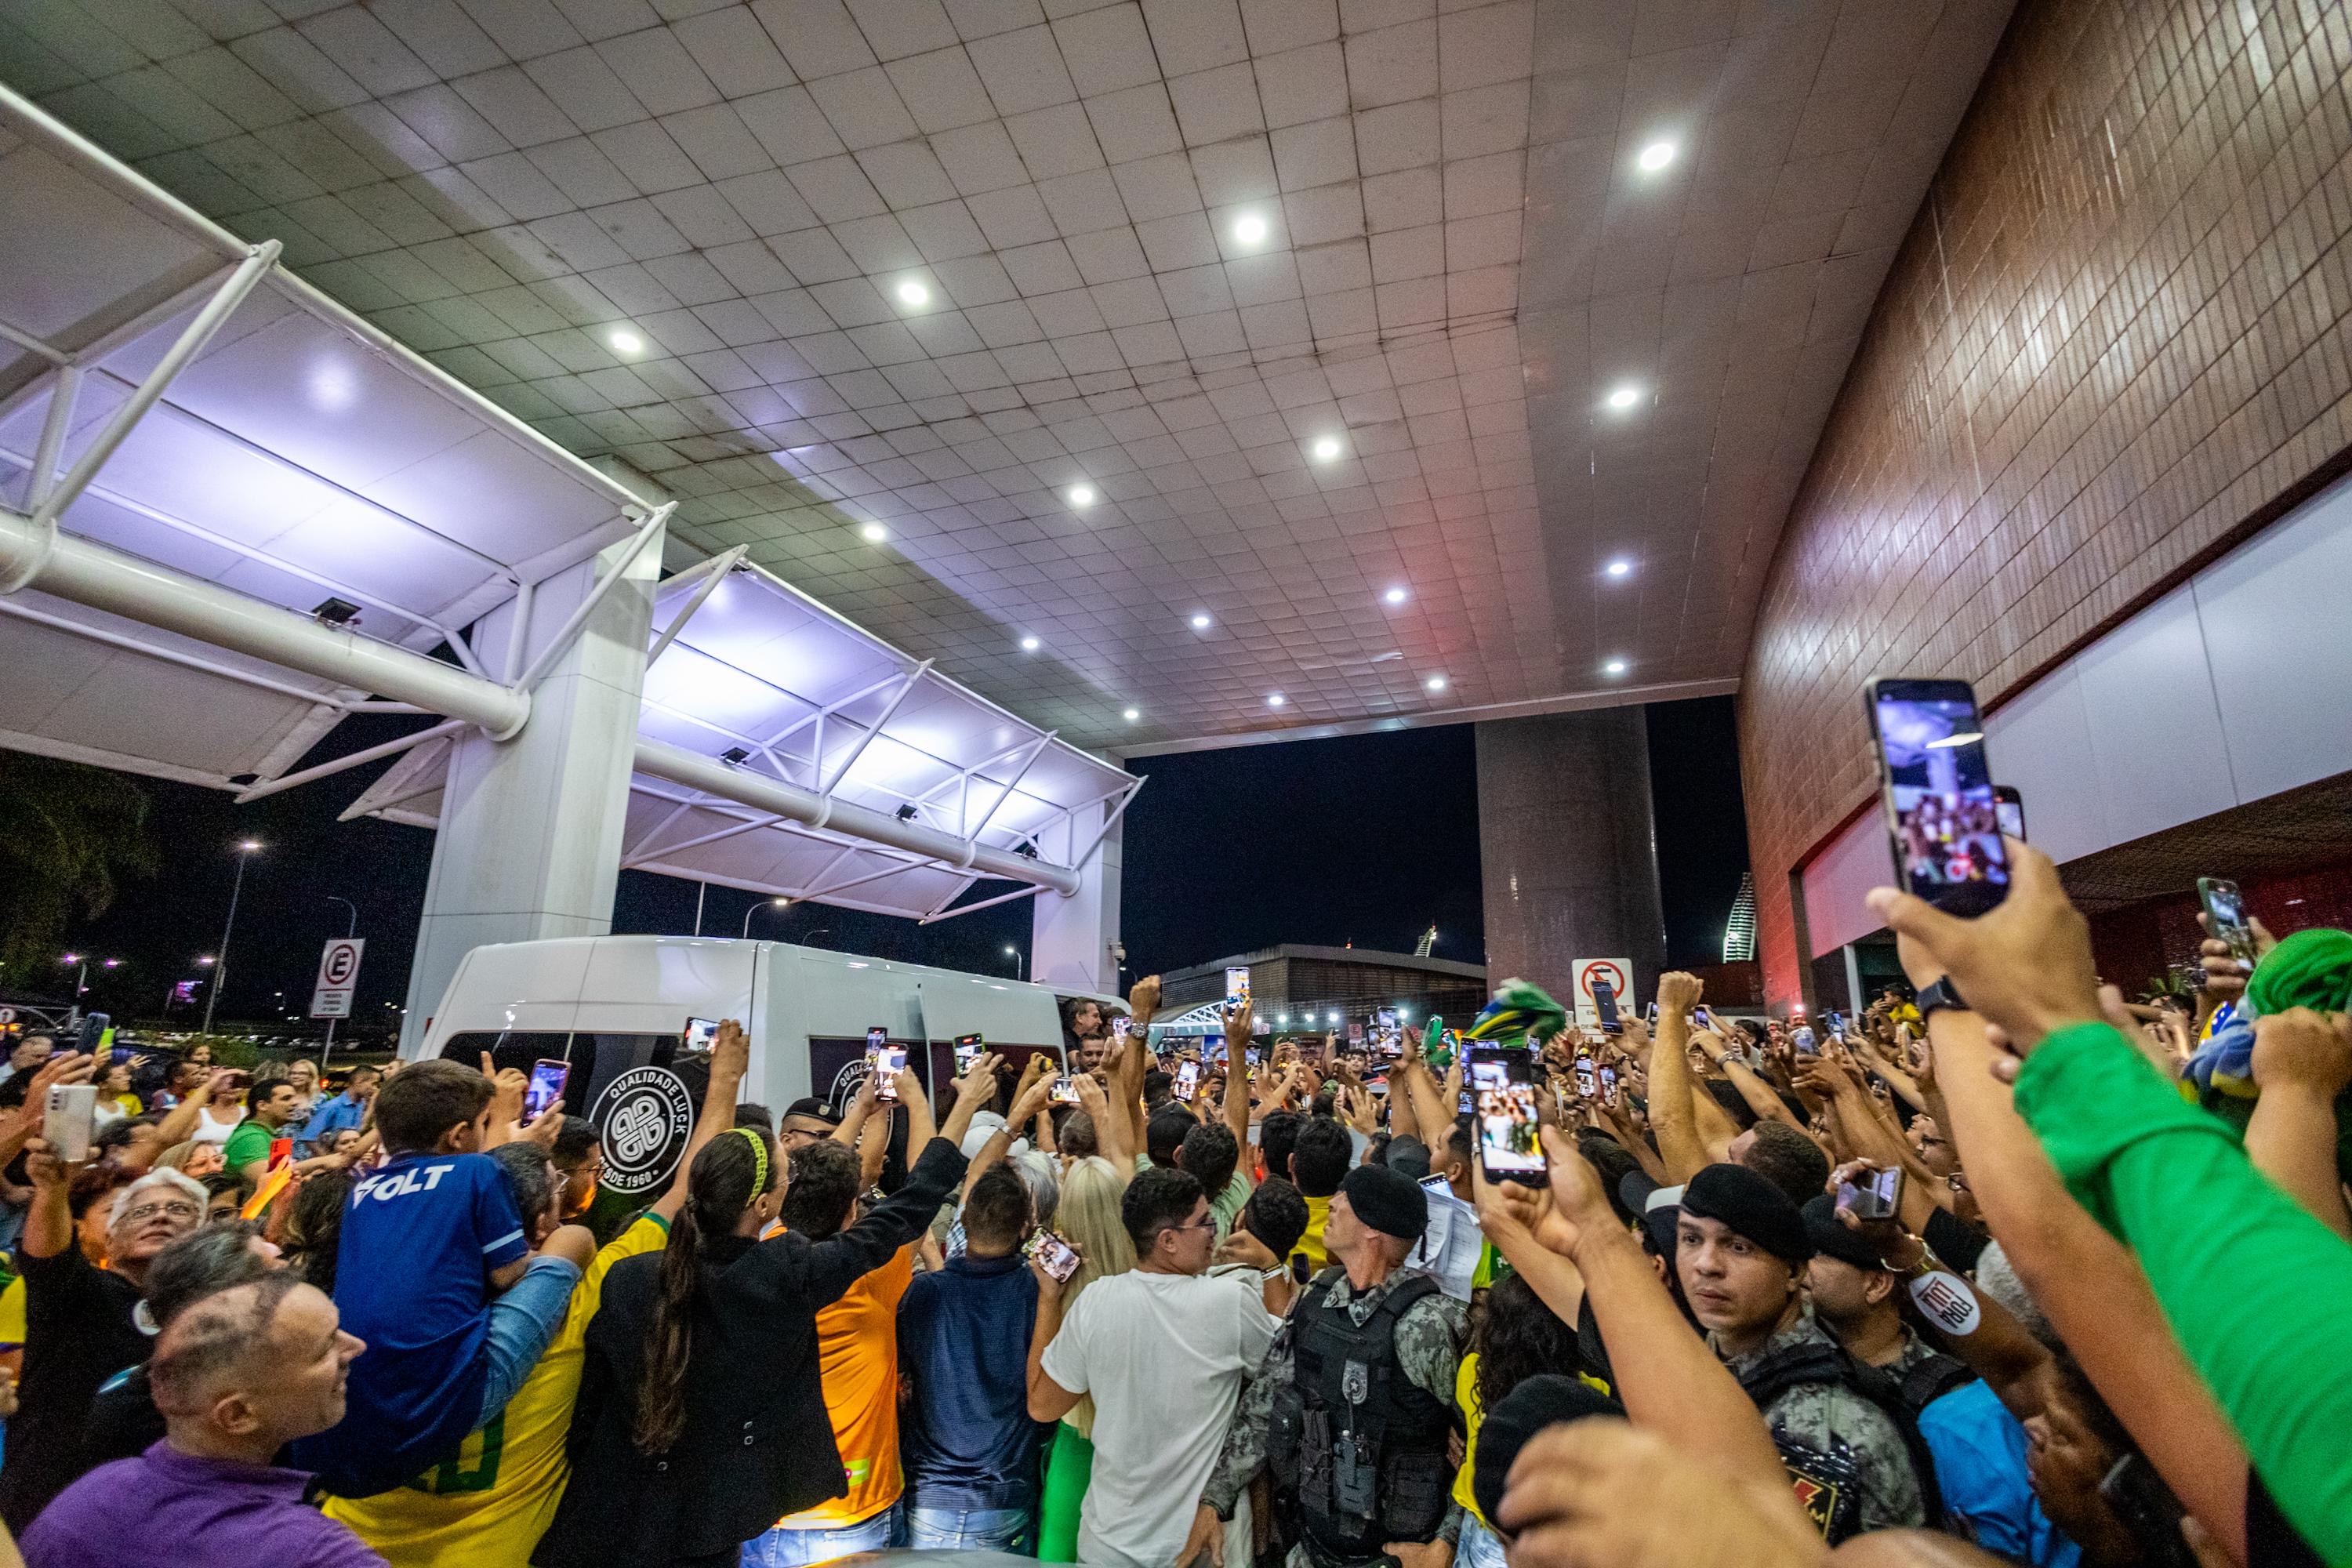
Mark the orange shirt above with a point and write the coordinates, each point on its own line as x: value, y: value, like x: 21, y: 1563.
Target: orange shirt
x: 857, y: 1354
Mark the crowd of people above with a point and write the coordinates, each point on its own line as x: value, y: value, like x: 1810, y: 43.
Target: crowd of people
x: 2002, y: 1269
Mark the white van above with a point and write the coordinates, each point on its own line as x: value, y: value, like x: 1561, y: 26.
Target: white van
x: 617, y: 1011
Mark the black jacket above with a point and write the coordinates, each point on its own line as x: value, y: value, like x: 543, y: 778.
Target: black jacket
x: 757, y: 1443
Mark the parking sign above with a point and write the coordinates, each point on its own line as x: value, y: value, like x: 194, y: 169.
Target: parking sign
x: 338, y: 976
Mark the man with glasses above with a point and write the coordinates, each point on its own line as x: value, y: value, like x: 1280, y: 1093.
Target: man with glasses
x: 80, y: 1326
x: 1164, y: 1349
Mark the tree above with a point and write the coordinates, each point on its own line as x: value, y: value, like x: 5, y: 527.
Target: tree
x: 69, y: 834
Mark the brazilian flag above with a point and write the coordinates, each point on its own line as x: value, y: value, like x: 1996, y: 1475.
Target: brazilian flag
x: 1520, y: 1015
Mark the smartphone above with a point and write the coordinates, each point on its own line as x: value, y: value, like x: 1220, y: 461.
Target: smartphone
x: 1650, y: 1015
x: 2009, y: 810
x: 1355, y: 1036
x: 67, y: 1120
x: 886, y: 1063
x: 1065, y: 1091
x: 1588, y: 1082
x: 1236, y: 986
x: 1609, y: 1083
x: 1877, y: 1198
x: 701, y: 1034
x: 548, y: 1078
x: 1437, y: 1186
x: 1122, y: 1026
x: 968, y: 1050
x: 1604, y: 1002
x: 1188, y: 1079
x: 1703, y: 1018
x: 1502, y: 1084
x: 1939, y: 794
x: 237, y: 1083
x: 1300, y: 1269
x: 1801, y: 1036
x: 1054, y: 1255
x: 1249, y: 1055
x: 281, y: 1150
x: 2225, y: 907
x: 94, y: 1027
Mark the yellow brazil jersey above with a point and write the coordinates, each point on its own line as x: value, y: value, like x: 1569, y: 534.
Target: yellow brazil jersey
x: 1310, y: 1240
x: 11, y: 1313
x: 487, y: 1507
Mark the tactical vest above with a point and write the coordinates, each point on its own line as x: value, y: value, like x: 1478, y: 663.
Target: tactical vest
x: 1825, y: 1361
x: 1357, y: 1449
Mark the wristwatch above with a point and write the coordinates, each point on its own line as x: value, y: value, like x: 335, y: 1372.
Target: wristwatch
x: 1935, y: 998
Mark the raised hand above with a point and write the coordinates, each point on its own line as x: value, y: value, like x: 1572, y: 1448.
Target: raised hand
x: 2300, y: 1046
x: 2024, y: 965
x: 1678, y: 993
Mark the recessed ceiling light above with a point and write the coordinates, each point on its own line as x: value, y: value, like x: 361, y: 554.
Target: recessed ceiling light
x: 1249, y: 229
x: 1625, y: 396
x: 624, y: 341
x: 1200, y: 623
x: 1273, y: 701
x: 1082, y: 495
x: 1029, y: 645
x: 1133, y: 714
x: 913, y: 293
x: 1614, y: 667
x: 1435, y: 683
x: 1326, y: 448
x: 1655, y: 156
x: 1395, y: 595
x: 1620, y: 568
x: 874, y: 534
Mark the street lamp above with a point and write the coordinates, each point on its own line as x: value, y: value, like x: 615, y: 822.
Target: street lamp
x: 1013, y: 953
x: 755, y: 908
x: 245, y: 851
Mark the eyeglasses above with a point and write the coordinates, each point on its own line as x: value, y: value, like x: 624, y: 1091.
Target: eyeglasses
x: 1207, y: 1221
x: 178, y: 1210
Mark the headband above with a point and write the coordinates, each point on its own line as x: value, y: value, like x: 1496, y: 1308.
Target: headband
x: 758, y: 1158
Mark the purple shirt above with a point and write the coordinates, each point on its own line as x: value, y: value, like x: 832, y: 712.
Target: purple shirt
x: 166, y: 1506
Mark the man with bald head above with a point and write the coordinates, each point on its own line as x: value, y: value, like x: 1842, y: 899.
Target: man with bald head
x: 237, y: 1377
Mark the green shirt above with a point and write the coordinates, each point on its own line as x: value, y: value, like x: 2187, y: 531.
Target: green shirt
x: 249, y: 1142
x: 1225, y: 1206
x: 2254, y: 1286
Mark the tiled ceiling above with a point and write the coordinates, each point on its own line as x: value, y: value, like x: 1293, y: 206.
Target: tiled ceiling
x: 873, y: 287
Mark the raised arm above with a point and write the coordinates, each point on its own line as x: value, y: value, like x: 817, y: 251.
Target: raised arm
x: 179, y: 1124
x: 1672, y: 1091
x: 839, y: 1261
x: 731, y: 1058
x: 17, y: 1127
x: 1237, y: 1085
x: 2301, y: 1062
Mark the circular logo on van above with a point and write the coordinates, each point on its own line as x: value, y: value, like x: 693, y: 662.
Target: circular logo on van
x: 644, y: 1119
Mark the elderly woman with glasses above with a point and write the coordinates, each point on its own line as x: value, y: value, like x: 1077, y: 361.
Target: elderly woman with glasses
x: 81, y: 1322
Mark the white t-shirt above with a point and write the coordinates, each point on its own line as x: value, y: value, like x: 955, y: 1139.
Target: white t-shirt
x: 212, y: 1130
x: 1165, y: 1356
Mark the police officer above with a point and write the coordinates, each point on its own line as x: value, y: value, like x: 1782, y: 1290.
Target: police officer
x: 1351, y: 1408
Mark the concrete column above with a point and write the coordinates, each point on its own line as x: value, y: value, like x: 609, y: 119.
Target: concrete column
x: 1071, y: 938
x: 530, y: 844
x: 1568, y: 847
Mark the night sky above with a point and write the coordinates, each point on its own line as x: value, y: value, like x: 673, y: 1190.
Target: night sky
x: 1365, y: 839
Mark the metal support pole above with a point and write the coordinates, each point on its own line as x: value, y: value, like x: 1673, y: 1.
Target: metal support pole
x: 341, y: 765
x: 63, y: 396
x: 983, y: 904
x: 857, y: 750
x: 565, y: 634
x: 997, y: 805
x: 714, y: 572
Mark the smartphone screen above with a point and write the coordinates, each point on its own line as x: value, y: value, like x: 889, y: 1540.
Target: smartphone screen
x: 1236, y: 986
x: 701, y: 1034
x: 1501, y: 1084
x: 1609, y: 1083
x: 1876, y: 1199
x: 1588, y: 1082
x: 2009, y: 810
x: 1703, y: 1018
x: 967, y: 1051
x: 1938, y: 794
x: 1057, y: 1257
x: 1605, y: 1003
x: 547, y: 1081
x: 1188, y: 1079
x: 1122, y: 1027
x: 886, y: 1063
x: 1065, y: 1091
x: 1249, y: 1055
x: 67, y: 1120
x: 2225, y: 906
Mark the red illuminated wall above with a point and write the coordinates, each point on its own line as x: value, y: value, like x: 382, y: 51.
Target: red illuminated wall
x: 2114, y: 343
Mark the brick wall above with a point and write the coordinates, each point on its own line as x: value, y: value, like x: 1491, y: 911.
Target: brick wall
x: 2115, y: 342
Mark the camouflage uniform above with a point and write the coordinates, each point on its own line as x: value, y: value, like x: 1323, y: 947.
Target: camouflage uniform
x: 1848, y: 1461
x: 1428, y: 1340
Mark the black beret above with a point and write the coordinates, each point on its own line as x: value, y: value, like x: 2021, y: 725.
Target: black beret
x: 1542, y: 1401
x: 1388, y: 1200
x: 1833, y: 1239
x: 1752, y: 1207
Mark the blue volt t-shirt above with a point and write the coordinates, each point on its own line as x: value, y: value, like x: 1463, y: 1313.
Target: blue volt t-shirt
x: 963, y: 1337
x: 421, y: 1238
x: 1979, y: 1452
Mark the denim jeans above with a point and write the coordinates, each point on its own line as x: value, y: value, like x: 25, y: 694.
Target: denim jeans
x: 782, y: 1548
x: 969, y: 1529
x: 1479, y: 1546
x: 521, y: 1322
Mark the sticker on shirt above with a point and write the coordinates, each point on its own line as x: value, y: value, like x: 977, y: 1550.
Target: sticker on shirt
x: 645, y: 1119
x: 1827, y: 1485
x: 1948, y: 1302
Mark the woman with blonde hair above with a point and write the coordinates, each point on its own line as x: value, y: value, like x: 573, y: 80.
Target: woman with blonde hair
x: 1089, y: 1220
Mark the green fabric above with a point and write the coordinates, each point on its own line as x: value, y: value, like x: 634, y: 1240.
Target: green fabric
x: 2254, y: 1286
x: 1069, y: 1465
x: 1518, y: 1011
x: 2310, y: 969
x: 1228, y: 1204
x: 249, y: 1142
